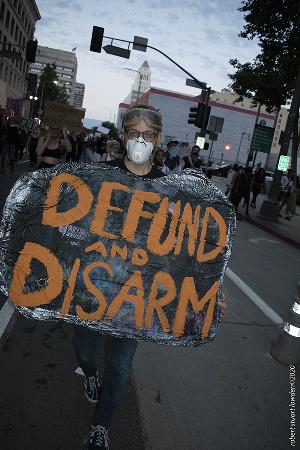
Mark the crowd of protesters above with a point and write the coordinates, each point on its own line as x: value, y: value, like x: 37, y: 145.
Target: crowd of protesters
x: 48, y: 147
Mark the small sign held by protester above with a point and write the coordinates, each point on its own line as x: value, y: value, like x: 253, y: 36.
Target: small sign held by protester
x: 56, y: 114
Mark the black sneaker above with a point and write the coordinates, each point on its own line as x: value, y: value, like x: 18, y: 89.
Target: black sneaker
x: 91, y: 388
x: 97, y: 439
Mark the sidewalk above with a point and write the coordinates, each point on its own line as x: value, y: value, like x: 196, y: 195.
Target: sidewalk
x: 288, y: 231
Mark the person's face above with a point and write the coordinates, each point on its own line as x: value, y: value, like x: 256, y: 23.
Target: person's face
x: 149, y: 133
x: 195, y: 150
x: 160, y: 156
x: 55, y: 133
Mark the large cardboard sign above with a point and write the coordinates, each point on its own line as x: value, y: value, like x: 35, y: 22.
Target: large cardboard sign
x: 57, y: 115
x: 93, y: 245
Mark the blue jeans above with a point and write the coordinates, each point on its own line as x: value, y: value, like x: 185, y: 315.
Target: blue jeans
x: 119, y: 354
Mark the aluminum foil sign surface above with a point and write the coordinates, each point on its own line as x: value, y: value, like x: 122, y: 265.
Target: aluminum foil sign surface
x: 91, y: 244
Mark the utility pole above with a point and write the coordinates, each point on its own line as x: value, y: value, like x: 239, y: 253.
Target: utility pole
x: 270, y: 207
x: 250, y: 156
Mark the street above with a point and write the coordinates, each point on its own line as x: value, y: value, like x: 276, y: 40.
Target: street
x: 228, y: 394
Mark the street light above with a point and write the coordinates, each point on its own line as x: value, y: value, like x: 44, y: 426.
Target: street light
x: 140, y: 82
x: 32, y: 98
x: 242, y: 137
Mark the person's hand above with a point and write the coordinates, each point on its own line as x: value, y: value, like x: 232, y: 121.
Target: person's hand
x: 223, y: 305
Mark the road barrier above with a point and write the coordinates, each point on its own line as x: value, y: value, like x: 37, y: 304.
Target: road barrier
x: 286, y: 349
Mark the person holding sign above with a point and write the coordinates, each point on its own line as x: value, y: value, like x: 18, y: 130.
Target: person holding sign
x: 50, y: 148
x: 142, y: 126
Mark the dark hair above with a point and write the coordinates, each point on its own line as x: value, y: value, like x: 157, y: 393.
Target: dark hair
x: 196, y: 146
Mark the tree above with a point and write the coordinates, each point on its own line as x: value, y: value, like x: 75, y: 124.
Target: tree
x: 48, y: 90
x: 270, y: 78
x: 113, y: 131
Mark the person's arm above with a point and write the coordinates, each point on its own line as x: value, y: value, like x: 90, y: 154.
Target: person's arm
x: 104, y: 157
x: 42, y: 144
x: 67, y: 140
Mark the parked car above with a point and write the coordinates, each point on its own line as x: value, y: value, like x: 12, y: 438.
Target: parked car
x: 221, y: 170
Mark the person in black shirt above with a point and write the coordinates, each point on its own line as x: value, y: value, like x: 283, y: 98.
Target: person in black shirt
x: 193, y: 160
x: 142, y: 127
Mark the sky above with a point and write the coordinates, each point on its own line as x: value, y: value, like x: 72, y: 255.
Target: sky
x: 201, y: 36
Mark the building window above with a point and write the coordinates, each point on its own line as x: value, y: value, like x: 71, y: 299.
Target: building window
x: 217, y: 99
x: 16, y: 33
x: 280, y: 115
x: 279, y: 121
x: 7, y: 20
x: 12, y: 26
x: 2, y: 10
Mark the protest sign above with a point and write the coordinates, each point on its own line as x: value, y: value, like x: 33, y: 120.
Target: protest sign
x: 132, y: 257
x: 57, y: 115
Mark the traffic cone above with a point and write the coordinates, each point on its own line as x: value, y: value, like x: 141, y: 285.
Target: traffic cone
x: 286, y: 349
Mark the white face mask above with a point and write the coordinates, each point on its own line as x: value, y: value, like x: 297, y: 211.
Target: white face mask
x: 138, y: 150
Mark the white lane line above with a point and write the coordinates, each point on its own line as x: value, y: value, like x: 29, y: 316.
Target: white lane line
x: 6, y: 313
x: 266, y: 309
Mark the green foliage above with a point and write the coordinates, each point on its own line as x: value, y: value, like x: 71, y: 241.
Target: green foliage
x: 270, y: 78
x: 113, y: 133
x: 48, y: 90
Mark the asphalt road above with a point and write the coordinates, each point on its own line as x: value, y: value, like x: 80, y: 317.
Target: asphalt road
x: 229, y: 394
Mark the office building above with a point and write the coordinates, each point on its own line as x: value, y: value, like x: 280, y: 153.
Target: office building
x: 66, y: 67
x: 78, y: 95
x: 17, y: 27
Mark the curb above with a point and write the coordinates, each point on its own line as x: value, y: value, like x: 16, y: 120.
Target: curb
x: 270, y: 230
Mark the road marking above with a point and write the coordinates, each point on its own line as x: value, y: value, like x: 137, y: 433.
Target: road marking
x: 6, y: 313
x: 266, y: 309
x: 262, y: 239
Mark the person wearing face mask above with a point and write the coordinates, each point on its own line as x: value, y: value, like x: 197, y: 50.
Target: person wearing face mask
x: 193, y: 160
x: 159, y: 161
x: 172, y: 160
x: 141, y: 126
x: 112, y: 151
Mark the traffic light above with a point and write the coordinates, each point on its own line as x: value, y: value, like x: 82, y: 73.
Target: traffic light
x: 97, y: 38
x: 199, y: 116
x: 31, y: 48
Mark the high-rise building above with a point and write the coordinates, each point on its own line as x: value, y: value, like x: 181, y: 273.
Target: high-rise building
x: 17, y: 26
x: 142, y: 83
x: 78, y: 95
x: 66, y: 67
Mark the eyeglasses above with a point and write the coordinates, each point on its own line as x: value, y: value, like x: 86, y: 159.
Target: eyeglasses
x: 149, y: 136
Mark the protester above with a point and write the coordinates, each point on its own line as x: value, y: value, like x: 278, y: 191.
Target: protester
x: 100, y: 146
x: 80, y: 147
x: 12, y: 143
x: 258, y: 184
x: 50, y: 148
x: 230, y: 177
x: 159, y: 161
x: 142, y: 127
x: 193, y: 160
x: 113, y: 149
x: 288, y: 185
x: 172, y: 160
x: 71, y: 156
x: 3, y: 141
x: 32, y: 145
x: 21, y: 144
x: 241, y: 188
